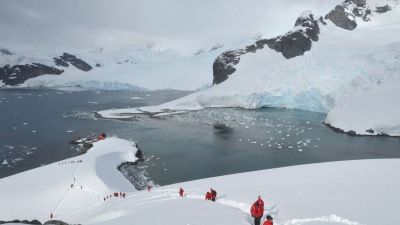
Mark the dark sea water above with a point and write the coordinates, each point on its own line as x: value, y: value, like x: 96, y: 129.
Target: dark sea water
x: 37, y: 125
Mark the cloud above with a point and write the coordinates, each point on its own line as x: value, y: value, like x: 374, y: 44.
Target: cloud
x: 183, y: 24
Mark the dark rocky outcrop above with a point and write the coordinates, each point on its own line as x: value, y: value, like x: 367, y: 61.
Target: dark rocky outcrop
x: 298, y: 41
x: 78, y: 63
x: 291, y: 44
x: 4, y: 51
x: 338, y: 130
x: 344, y: 15
x: 224, y: 65
x: 371, y: 131
x: 18, y: 74
x: 55, y: 222
x: 383, y: 9
x: 36, y: 222
x: 216, y: 46
x: 60, y: 62
x: 341, y: 18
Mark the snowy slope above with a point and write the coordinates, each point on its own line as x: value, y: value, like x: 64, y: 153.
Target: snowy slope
x: 348, y: 192
x: 37, y: 193
x: 372, y: 112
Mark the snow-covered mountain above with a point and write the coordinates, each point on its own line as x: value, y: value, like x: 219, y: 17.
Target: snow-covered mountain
x: 349, y: 50
x: 128, y: 68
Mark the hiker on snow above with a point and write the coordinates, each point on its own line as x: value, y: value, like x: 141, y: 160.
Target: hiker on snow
x: 102, y: 136
x: 211, y: 195
x: 269, y: 220
x: 257, y: 210
x: 181, y: 191
x: 208, y: 195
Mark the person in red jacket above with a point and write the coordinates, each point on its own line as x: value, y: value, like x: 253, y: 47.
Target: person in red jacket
x: 213, y: 194
x: 181, y: 192
x: 257, y: 210
x: 208, y: 196
x: 269, y: 220
x: 102, y: 136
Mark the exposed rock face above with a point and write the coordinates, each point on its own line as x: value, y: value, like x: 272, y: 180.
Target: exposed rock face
x: 4, y: 51
x: 55, y: 222
x: 224, y: 65
x: 291, y: 44
x: 36, y: 222
x: 383, y: 9
x: 18, y: 74
x: 297, y: 41
x: 341, y: 18
x: 60, y: 62
x: 344, y: 15
x: 78, y: 63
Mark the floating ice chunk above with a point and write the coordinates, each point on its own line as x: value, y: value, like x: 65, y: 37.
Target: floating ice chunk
x: 136, y: 98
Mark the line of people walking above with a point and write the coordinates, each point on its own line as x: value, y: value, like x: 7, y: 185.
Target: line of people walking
x: 256, y: 210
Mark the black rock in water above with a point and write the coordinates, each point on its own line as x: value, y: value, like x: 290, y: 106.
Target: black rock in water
x: 18, y: 74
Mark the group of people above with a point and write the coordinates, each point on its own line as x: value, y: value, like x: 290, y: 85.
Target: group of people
x: 116, y: 195
x: 256, y: 211
x: 210, y: 195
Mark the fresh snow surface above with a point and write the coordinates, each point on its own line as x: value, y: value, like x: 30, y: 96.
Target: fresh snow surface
x: 347, y: 192
x: 376, y: 110
x: 37, y: 193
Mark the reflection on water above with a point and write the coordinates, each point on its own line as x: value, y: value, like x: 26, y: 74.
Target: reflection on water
x: 223, y: 131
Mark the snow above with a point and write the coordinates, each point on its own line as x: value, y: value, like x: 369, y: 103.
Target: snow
x: 341, y: 64
x: 129, y: 68
x: 356, y: 113
x: 36, y: 193
x: 347, y: 192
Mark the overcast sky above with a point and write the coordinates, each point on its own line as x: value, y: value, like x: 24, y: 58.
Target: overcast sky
x: 181, y: 24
